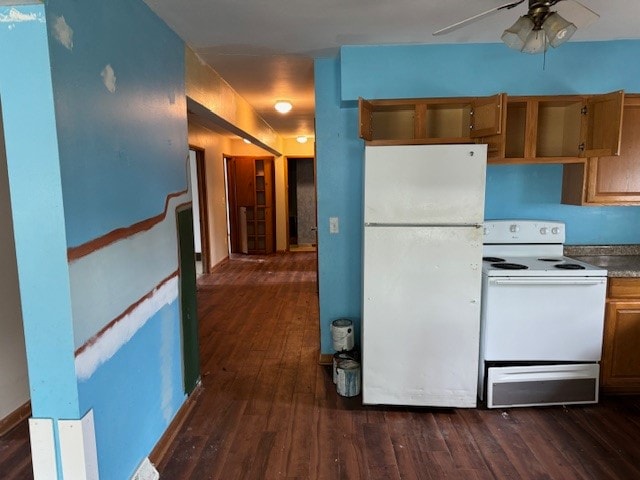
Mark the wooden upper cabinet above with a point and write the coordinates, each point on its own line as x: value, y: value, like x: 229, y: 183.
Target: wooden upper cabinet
x: 609, y: 180
x: 602, y: 125
x: 364, y: 118
x: 430, y: 120
x: 533, y: 129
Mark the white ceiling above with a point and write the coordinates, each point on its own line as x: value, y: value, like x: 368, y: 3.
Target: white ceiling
x: 265, y: 49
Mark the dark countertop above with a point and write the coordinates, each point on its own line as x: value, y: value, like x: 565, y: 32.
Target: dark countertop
x: 619, y: 260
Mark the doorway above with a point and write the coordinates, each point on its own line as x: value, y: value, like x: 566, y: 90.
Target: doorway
x: 251, y: 197
x: 301, y: 204
x: 198, y: 186
x: 14, y: 380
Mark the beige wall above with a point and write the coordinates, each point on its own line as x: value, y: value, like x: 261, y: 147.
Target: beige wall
x: 215, y: 147
x: 14, y: 383
x: 214, y: 96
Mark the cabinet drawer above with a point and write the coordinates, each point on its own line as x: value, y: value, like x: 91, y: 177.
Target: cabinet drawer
x: 624, y: 288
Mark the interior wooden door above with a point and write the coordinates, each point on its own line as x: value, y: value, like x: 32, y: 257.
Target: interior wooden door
x: 188, y: 305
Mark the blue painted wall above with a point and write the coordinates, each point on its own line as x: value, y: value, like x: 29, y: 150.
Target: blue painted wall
x: 132, y: 404
x: 119, y: 150
x: 521, y: 191
x: 122, y: 152
x: 84, y: 161
x: 38, y: 215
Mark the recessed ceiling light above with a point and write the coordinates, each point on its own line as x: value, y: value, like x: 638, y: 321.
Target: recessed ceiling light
x: 283, y: 106
x: 301, y: 139
x: 246, y: 140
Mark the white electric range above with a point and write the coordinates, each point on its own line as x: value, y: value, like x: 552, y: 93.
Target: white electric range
x: 542, y: 318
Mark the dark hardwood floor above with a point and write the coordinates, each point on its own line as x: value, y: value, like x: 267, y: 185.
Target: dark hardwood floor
x: 267, y: 410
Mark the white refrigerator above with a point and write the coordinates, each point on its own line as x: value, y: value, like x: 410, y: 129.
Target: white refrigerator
x: 423, y: 214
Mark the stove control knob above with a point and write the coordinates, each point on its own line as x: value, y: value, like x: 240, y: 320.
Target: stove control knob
x: 544, y: 231
x: 555, y: 230
x: 514, y: 228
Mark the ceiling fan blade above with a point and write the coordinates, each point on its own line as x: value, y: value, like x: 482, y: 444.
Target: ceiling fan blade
x: 577, y: 13
x: 469, y: 20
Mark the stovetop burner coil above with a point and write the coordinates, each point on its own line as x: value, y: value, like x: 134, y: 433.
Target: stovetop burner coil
x: 569, y: 266
x: 550, y: 259
x: 509, y: 266
x: 493, y: 259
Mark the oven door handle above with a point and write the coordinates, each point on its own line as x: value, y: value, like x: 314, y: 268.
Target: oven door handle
x: 547, y: 281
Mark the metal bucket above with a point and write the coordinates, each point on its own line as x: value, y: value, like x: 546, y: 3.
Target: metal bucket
x: 342, y: 334
x: 348, y: 384
x: 339, y: 357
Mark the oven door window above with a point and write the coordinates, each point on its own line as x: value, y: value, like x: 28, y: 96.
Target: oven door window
x: 543, y: 319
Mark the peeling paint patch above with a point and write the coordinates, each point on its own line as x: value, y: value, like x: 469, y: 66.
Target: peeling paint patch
x: 109, y: 78
x: 106, y: 346
x: 16, y: 16
x: 63, y: 32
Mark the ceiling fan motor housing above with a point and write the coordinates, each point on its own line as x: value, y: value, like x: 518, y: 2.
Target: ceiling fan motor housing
x: 539, y: 11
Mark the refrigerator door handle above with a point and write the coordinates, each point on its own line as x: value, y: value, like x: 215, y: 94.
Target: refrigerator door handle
x: 441, y: 225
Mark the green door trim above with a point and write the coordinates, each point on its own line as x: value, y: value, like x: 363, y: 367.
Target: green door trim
x: 188, y: 302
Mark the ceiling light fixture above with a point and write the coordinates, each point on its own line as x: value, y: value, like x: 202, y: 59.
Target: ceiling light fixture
x: 246, y: 140
x: 301, y: 139
x: 283, y: 106
x: 535, y: 31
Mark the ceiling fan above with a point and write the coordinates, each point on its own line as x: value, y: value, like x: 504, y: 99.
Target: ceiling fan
x: 540, y: 26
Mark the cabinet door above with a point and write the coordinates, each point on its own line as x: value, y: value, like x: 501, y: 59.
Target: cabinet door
x: 364, y: 119
x: 601, y: 125
x: 620, y: 355
x: 487, y: 115
x: 615, y: 180
x: 496, y: 143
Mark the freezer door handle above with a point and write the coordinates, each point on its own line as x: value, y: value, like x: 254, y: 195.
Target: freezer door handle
x: 547, y: 281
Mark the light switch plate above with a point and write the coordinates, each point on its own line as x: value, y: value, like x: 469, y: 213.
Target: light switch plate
x: 334, y: 225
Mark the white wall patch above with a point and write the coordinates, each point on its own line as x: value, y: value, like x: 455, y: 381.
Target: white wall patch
x: 109, y: 78
x: 106, y: 346
x: 16, y: 16
x: 63, y: 32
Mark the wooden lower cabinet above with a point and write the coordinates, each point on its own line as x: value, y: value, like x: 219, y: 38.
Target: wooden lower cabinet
x: 620, y: 366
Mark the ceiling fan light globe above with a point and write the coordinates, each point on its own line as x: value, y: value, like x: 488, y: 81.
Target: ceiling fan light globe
x: 558, y: 29
x: 516, y: 35
x: 536, y: 42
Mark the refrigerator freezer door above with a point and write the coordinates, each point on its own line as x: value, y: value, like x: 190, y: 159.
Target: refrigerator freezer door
x: 421, y: 315
x: 425, y: 184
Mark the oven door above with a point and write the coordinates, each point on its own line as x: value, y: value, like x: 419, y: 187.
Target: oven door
x: 543, y: 319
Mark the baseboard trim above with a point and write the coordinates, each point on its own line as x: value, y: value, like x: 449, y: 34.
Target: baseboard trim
x: 219, y: 264
x: 325, y: 359
x: 14, y: 419
x: 159, y: 453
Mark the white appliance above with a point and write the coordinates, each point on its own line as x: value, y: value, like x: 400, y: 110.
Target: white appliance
x: 423, y: 211
x: 542, y: 318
